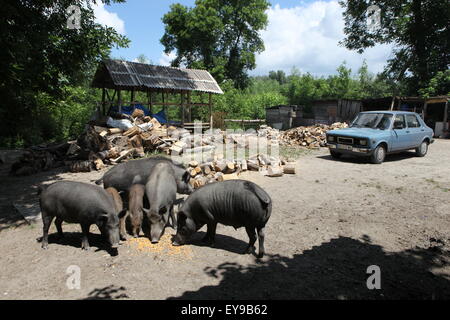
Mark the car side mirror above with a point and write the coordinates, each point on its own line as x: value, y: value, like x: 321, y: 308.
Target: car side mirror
x: 398, y: 125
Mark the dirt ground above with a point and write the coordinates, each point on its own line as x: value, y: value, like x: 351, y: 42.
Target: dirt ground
x: 330, y: 222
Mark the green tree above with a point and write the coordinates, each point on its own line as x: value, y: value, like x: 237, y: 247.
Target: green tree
x: 41, y: 56
x: 218, y: 35
x: 419, y: 29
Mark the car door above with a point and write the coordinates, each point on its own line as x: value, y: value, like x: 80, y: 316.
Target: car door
x: 416, y: 132
x: 400, y: 136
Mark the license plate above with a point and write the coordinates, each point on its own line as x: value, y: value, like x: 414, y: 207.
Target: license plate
x: 344, y: 147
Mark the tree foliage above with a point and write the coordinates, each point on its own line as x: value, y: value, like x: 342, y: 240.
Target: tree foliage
x: 419, y: 29
x: 40, y: 56
x: 218, y: 35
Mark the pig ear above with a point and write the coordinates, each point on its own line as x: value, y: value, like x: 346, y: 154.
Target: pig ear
x: 102, y: 219
x: 122, y: 213
x: 186, y: 176
x: 182, y: 216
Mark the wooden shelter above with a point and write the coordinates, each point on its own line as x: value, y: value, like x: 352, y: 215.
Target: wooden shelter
x: 157, y: 82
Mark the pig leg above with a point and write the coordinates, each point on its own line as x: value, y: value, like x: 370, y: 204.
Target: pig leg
x: 85, y: 240
x: 261, y: 242
x: 58, y: 224
x: 210, y: 236
x: 252, y: 236
x: 173, y: 217
x: 122, y: 227
x: 47, y: 220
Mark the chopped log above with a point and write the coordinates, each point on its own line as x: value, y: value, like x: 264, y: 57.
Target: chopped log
x: 252, y: 165
x: 219, y: 176
x: 200, y: 181
x: 193, y: 172
x: 220, y: 166
x: 231, y: 176
x: 155, y: 123
x: 123, y: 155
x: 136, y: 141
x: 193, y: 163
x: 244, y: 165
x: 230, y: 167
x: 137, y: 113
x: 198, y: 169
x: 73, y: 149
x: 131, y: 132
x: 289, y: 168
x: 274, y: 171
x: 114, y: 130
x: 81, y: 166
x: 98, y: 164
x: 206, y: 168
x: 139, y: 152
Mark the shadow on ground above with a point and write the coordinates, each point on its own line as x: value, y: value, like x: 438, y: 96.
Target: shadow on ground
x: 17, y: 193
x: 107, y: 293
x: 359, y: 159
x: 334, y: 270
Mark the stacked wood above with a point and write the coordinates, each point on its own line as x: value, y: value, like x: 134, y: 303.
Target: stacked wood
x: 309, y: 137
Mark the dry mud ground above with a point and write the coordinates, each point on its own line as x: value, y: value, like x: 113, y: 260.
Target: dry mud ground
x: 329, y: 223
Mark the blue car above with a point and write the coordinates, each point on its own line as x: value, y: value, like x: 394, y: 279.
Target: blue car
x: 375, y: 134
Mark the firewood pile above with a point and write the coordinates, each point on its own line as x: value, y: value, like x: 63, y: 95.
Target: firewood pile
x: 310, y: 137
x: 220, y: 169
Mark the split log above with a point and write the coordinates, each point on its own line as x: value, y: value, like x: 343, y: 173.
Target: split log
x: 137, y: 113
x: 252, y: 165
x: 200, y: 181
x: 230, y: 167
x: 131, y: 132
x: 231, y: 176
x: 289, y: 168
x: 274, y: 171
x: 81, y: 166
x: 219, y: 176
x: 220, y: 166
x: 206, y: 168
x: 123, y: 155
x: 193, y: 163
x: 98, y: 164
x: 114, y: 130
x: 244, y: 165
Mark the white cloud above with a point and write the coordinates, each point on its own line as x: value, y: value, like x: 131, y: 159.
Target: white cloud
x: 166, y: 59
x: 106, y: 18
x: 307, y: 37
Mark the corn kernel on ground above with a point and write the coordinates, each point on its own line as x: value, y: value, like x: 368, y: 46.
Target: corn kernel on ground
x: 163, y: 247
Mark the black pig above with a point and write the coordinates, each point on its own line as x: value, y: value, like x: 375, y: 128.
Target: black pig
x: 237, y: 203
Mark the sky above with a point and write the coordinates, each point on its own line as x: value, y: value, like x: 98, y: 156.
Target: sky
x: 301, y: 34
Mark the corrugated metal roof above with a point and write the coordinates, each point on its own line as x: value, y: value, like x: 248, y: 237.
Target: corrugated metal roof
x: 117, y: 74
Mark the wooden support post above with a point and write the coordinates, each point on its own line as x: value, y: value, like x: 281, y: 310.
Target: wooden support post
x: 150, y: 101
x: 210, y: 112
x: 182, y: 109
x: 165, y: 108
x: 119, y: 100
x: 132, y: 97
x: 103, y: 101
x: 392, y: 104
x: 424, y: 111
x: 189, y: 107
x: 446, y: 116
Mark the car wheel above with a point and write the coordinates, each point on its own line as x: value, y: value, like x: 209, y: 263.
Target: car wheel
x: 378, y: 155
x: 422, y: 150
x: 335, y: 155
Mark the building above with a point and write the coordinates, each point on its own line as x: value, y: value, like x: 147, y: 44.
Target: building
x: 116, y: 76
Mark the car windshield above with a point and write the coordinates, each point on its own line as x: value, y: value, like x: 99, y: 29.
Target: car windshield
x: 372, y: 120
